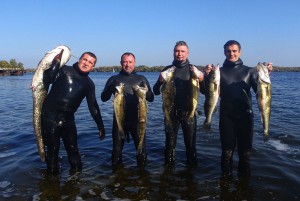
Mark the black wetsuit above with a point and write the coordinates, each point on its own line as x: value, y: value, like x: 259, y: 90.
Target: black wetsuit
x: 182, y: 107
x: 131, y: 113
x: 236, y: 115
x: 69, y: 87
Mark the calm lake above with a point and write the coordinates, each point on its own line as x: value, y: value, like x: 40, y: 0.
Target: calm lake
x: 275, y: 164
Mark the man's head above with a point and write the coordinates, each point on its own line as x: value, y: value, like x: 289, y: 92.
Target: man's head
x: 181, y: 51
x: 128, y: 62
x: 232, y: 50
x: 86, y: 62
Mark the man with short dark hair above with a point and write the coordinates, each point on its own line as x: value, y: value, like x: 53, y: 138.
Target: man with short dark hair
x: 129, y: 79
x: 236, y: 115
x: 70, y: 85
x: 182, y: 108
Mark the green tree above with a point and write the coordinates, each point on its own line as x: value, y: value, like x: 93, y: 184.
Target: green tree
x: 4, y: 64
x: 20, y: 65
x: 13, y: 63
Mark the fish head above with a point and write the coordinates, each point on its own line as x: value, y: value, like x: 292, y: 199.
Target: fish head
x: 140, y: 91
x: 46, y: 62
x: 168, y: 74
x: 120, y: 88
x: 263, y: 73
x: 135, y: 87
x: 66, y: 54
x: 215, y: 74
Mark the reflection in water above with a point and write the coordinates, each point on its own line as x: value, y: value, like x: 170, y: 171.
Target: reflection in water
x: 52, y: 188
x: 176, y: 185
x: 131, y: 183
x: 239, y: 189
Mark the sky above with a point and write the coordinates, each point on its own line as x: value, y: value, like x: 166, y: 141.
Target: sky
x: 268, y: 30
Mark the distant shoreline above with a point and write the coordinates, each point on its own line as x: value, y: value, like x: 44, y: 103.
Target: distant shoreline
x: 159, y: 68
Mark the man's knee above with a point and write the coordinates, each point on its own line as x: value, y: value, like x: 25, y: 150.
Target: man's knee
x: 226, y: 161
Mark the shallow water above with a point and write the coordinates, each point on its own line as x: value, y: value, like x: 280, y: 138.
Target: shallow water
x: 23, y: 176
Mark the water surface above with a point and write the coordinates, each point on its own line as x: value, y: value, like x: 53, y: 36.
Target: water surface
x: 23, y: 176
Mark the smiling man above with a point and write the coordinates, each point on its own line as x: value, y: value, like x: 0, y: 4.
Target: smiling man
x: 236, y: 115
x: 181, y: 107
x: 128, y: 79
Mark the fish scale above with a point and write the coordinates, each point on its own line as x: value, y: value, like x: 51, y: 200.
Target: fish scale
x: 264, y: 96
x: 212, y: 91
x: 140, y: 92
x: 39, y: 91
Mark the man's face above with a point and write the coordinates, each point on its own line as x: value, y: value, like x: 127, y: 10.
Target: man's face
x: 181, y: 53
x: 232, y: 53
x: 86, y: 63
x: 128, y: 63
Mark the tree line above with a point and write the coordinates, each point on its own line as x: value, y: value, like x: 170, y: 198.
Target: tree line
x: 11, y: 65
x: 144, y: 68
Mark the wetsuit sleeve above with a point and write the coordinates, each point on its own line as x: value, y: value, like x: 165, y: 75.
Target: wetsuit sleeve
x: 51, y: 73
x: 149, y: 94
x: 108, y: 90
x: 156, y: 87
x: 94, y: 107
x: 253, y: 79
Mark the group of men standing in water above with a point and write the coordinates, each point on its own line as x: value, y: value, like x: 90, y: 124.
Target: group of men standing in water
x: 71, y: 84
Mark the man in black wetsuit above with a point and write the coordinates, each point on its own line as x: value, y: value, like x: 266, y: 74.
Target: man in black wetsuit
x: 129, y: 77
x: 70, y: 85
x: 182, y: 105
x: 236, y: 115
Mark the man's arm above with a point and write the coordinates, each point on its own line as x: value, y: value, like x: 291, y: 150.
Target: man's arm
x: 51, y: 73
x: 95, y: 112
x: 108, y: 90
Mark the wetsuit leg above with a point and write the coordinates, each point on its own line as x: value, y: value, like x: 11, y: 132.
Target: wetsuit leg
x: 69, y: 137
x: 189, y: 134
x: 51, y: 137
x: 245, y: 139
x: 170, y: 143
x: 118, y: 144
x: 228, y: 141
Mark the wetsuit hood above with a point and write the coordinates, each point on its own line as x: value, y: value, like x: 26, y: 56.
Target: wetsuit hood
x: 75, y: 65
x: 230, y: 64
x: 179, y: 64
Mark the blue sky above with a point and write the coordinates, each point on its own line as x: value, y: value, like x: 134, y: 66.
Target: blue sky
x: 268, y: 30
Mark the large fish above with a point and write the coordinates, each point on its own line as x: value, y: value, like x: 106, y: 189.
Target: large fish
x: 39, y: 91
x: 140, y: 92
x: 119, y: 104
x: 194, y: 91
x: 168, y: 91
x: 212, y: 91
x: 264, y: 96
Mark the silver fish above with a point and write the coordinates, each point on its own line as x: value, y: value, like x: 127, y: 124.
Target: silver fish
x: 212, y: 91
x: 119, y: 104
x: 194, y: 92
x: 39, y: 91
x: 264, y: 96
x: 140, y: 92
x: 168, y: 91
